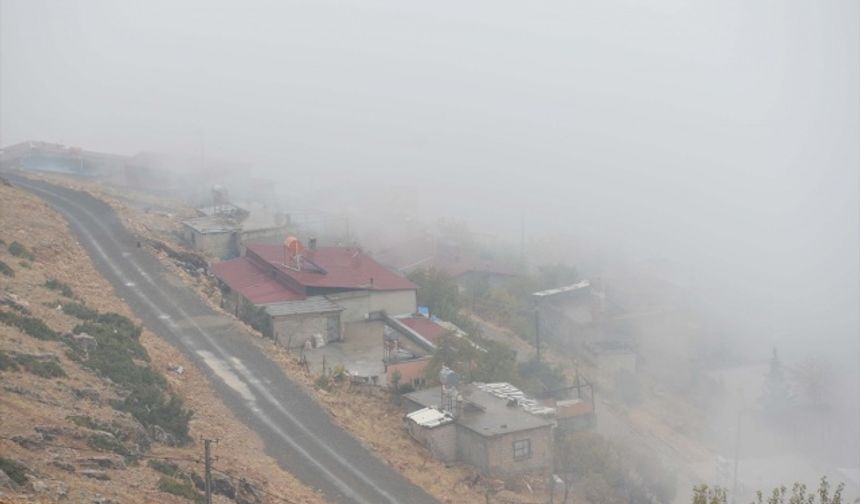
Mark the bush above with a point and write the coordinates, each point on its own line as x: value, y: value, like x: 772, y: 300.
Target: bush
x: 119, y: 340
x: 339, y: 373
x: 825, y: 494
x: 151, y: 407
x: 18, y: 250
x: 164, y: 467
x: 323, y: 382
x: 6, y: 270
x: 78, y: 310
x: 60, y: 287
x: 102, y: 442
x: 181, y: 489
x: 89, y: 422
x: 16, y: 471
x: 120, y: 323
x: 45, y: 369
x: 7, y: 363
x: 540, y: 377
x: 114, y: 358
x: 30, y: 325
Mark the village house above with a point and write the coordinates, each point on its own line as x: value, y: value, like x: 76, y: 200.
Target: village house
x: 321, y: 295
x: 58, y: 158
x: 223, y: 230
x: 409, y: 344
x: 466, y: 266
x: 491, y: 426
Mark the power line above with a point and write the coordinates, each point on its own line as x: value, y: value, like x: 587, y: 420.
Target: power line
x: 92, y: 450
x: 259, y: 483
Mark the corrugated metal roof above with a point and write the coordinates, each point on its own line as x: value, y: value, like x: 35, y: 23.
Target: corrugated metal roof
x: 430, y: 417
x: 427, y: 328
x: 552, y: 292
x: 345, y: 268
x: 242, y: 276
x: 313, y: 304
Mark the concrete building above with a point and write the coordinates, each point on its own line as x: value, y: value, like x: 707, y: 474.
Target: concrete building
x: 493, y: 427
x: 293, y: 295
x: 58, y: 158
x: 214, y: 236
x: 225, y: 237
x: 223, y: 230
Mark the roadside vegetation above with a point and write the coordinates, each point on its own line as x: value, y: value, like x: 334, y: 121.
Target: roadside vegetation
x: 60, y: 287
x: 29, y: 325
x: 45, y: 368
x: 164, y: 467
x: 114, y: 357
x: 6, y: 270
x: 16, y: 471
x: 18, y: 250
x: 79, y: 310
x: 181, y: 489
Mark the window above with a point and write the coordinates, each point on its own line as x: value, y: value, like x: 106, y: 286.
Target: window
x: 522, y: 449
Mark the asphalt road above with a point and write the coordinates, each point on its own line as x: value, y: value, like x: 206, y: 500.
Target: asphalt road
x: 298, y: 433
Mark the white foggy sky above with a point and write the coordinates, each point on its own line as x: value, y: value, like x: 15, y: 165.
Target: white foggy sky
x: 718, y: 134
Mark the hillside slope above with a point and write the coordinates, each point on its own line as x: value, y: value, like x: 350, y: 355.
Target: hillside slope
x: 70, y: 432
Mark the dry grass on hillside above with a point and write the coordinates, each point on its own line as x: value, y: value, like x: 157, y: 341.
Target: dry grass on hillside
x: 370, y: 417
x: 28, y: 401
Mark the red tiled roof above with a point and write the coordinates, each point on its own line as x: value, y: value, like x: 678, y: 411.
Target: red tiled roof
x: 345, y: 268
x: 243, y: 276
x: 424, y: 326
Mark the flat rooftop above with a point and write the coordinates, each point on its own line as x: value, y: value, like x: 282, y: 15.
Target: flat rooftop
x: 212, y: 224
x: 484, y: 413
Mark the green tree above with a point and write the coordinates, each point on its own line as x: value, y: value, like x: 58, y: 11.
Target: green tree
x: 454, y: 352
x: 439, y: 292
x: 538, y: 376
x: 497, y: 363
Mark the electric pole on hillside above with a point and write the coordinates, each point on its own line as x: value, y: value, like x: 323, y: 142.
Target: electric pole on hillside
x: 537, y: 330
x: 207, y: 454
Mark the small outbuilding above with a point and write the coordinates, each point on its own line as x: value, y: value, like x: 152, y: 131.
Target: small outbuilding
x: 501, y: 436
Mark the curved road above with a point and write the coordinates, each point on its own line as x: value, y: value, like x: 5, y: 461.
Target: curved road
x: 297, y: 431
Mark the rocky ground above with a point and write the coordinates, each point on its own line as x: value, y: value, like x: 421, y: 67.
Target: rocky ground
x: 61, y: 436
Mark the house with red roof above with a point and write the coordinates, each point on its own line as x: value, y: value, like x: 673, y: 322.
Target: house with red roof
x: 295, y: 294
x: 464, y: 264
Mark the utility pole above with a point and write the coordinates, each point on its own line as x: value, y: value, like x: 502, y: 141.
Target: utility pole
x: 207, y: 452
x: 537, y: 330
x: 737, y: 446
